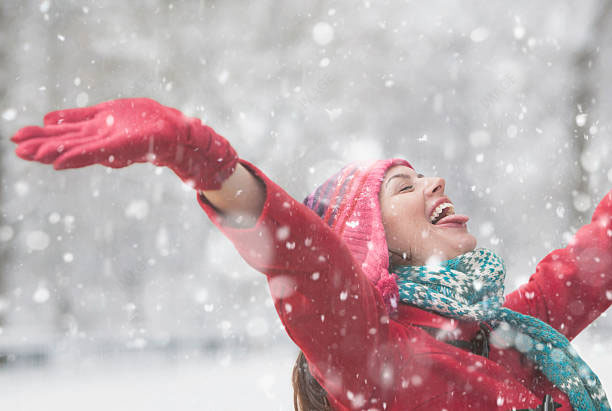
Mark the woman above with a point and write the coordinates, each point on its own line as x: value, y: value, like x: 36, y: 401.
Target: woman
x: 381, y: 286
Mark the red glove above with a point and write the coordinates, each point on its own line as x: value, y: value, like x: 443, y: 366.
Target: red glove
x: 118, y: 133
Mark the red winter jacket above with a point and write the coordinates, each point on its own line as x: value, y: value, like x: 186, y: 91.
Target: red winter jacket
x: 368, y: 359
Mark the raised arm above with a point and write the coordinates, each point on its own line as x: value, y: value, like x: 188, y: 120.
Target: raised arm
x: 571, y: 286
x: 121, y: 132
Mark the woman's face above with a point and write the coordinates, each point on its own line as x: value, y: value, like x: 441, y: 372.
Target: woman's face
x: 408, y: 203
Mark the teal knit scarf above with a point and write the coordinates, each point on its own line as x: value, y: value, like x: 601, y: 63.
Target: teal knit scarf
x: 471, y: 287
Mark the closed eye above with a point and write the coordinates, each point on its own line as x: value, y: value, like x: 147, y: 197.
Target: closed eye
x: 406, y: 188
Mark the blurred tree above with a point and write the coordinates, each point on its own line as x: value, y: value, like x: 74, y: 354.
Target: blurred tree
x: 584, y: 106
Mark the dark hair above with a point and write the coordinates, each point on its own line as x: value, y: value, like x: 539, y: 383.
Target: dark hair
x: 308, y: 395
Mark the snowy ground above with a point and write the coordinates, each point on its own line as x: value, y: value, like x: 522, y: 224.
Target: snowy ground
x: 258, y: 381
x: 153, y: 383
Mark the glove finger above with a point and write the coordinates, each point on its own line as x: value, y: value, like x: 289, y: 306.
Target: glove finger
x: 50, y: 150
x: 29, y: 148
x: 26, y: 151
x: 72, y: 115
x: 76, y: 158
x: 95, y: 151
x: 30, y: 132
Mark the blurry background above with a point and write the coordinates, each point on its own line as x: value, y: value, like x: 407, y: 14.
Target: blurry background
x: 116, y: 292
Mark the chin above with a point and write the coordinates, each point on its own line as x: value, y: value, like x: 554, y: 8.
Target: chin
x: 467, y: 244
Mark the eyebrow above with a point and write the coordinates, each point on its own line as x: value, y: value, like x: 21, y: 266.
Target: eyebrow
x: 401, y: 175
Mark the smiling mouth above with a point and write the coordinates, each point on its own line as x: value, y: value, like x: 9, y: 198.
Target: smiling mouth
x: 444, y: 216
x: 441, y: 211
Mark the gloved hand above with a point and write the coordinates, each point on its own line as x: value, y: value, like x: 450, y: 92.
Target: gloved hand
x: 120, y: 132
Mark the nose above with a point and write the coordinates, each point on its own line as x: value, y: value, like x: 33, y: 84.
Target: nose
x: 435, y: 185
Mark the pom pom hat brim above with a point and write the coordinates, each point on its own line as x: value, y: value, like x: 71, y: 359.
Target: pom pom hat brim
x: 348, y: 202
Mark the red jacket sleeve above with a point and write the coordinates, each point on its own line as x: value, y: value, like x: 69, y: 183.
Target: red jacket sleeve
x: 326, y: 303
x: 571, y: 286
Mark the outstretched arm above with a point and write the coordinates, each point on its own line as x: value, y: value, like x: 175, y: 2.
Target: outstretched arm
x: 121, y: 132
x: 571, y: 286
x: 326, y: 303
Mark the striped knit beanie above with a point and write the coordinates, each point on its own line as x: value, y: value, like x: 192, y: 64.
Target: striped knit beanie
x: 348, y: 203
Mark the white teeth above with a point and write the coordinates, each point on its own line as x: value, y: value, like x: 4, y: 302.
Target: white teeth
x: 439, y: 209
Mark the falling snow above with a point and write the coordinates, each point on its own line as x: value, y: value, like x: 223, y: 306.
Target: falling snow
x: 37, y: 240
x: 322, y: 33
x: 82, y: 99
x: 479, y: 34
x: 9, y: 114
x: 496, y: 104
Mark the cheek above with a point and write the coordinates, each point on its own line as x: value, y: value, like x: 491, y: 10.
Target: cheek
x: 406, y: 210
x: 417, y: 232
x: 411, y: 215
x: 405, y: 222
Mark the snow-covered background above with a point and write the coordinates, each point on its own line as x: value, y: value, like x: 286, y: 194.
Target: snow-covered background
x: 115, y: 290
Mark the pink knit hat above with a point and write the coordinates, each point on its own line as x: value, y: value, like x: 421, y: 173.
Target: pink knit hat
x: 348, y: 202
